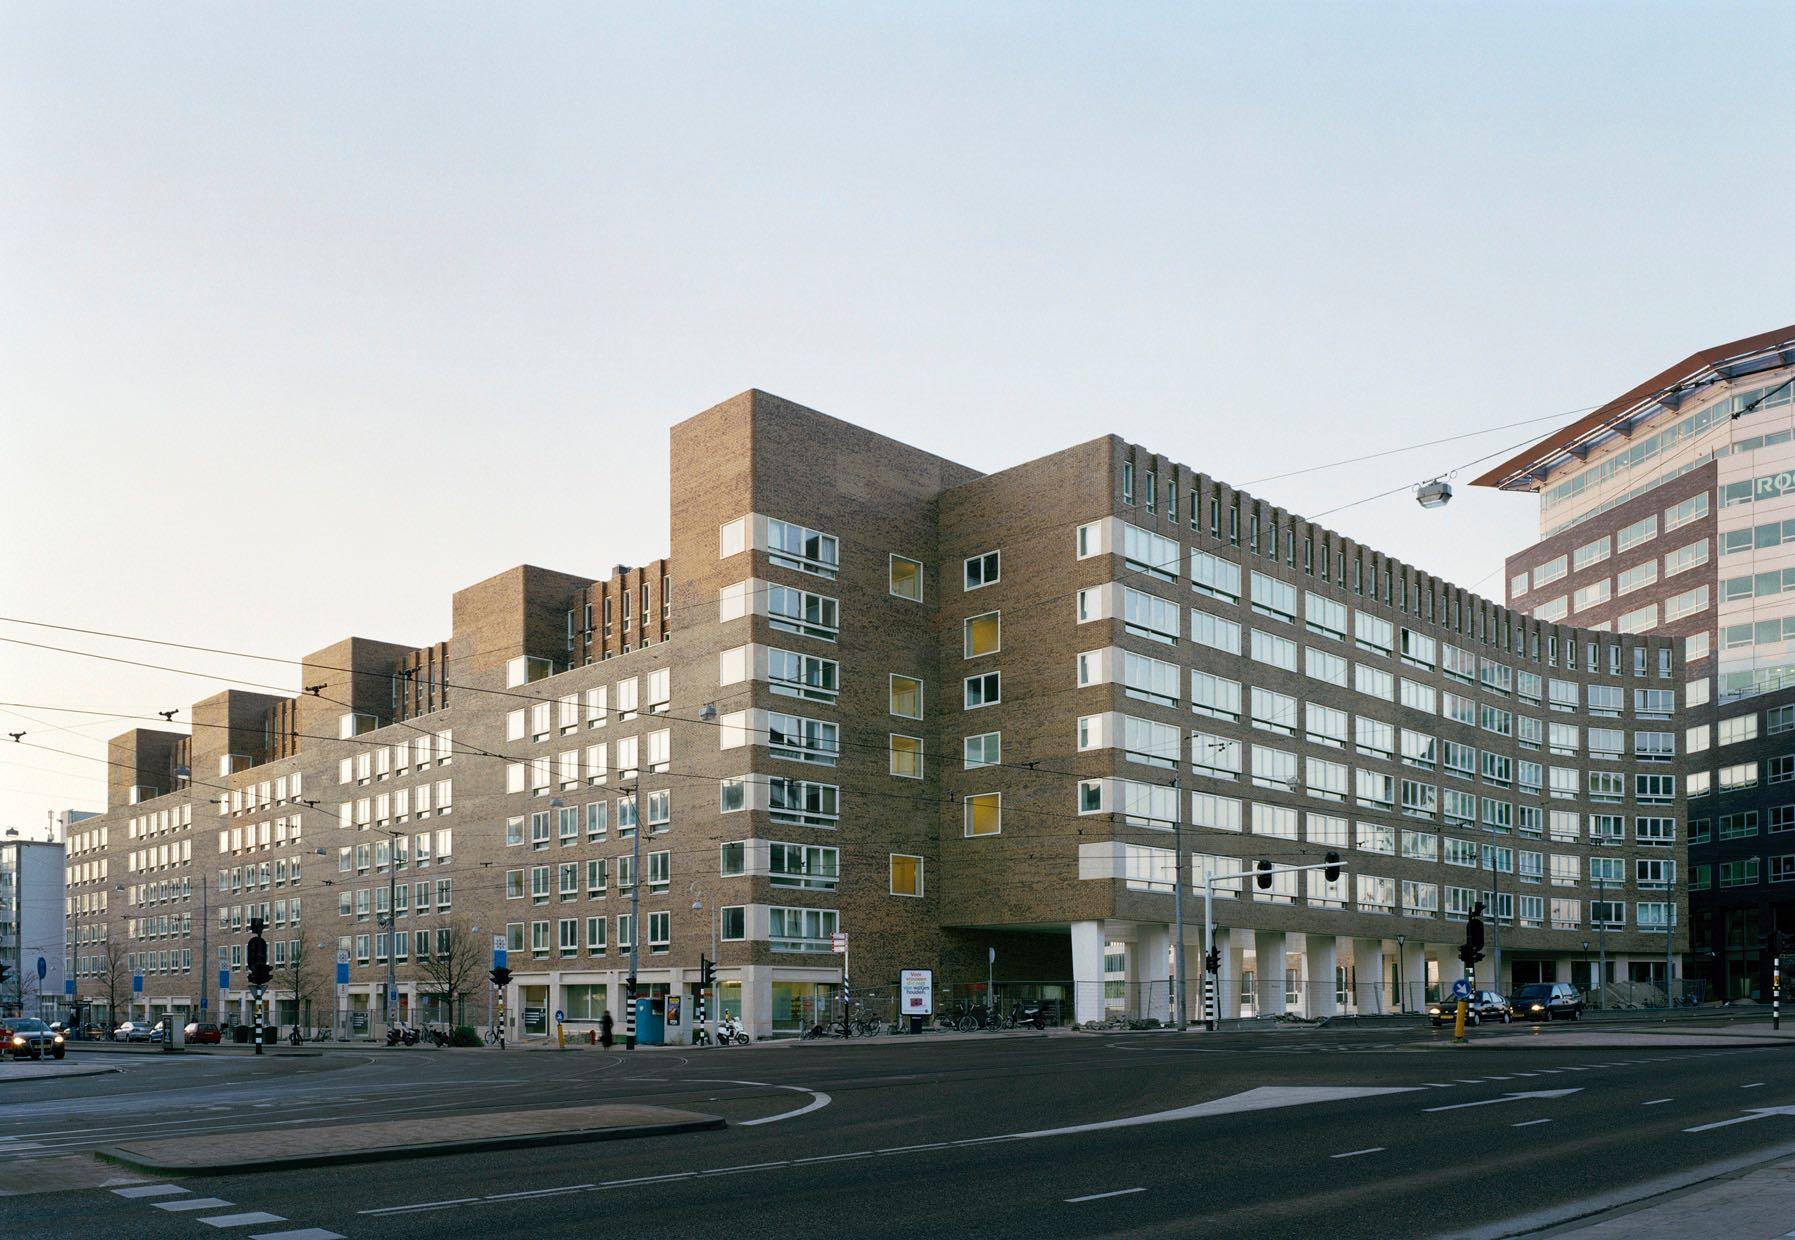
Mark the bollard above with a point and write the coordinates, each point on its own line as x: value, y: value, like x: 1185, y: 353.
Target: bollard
x: 561, y: 1035
x: 1458, y: 1022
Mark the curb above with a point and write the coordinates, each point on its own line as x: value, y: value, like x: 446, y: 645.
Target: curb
x: 60, y: 1076
x: 430, y: 1149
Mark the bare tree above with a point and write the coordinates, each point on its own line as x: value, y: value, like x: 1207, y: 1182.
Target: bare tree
x: 303, y: 975
x: 453, y: 961
x: 113, y: 960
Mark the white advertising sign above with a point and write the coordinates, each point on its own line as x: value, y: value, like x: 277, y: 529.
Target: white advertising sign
x: 916, y: 992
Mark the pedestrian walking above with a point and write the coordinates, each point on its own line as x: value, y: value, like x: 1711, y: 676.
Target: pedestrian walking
x: 604, y: 1030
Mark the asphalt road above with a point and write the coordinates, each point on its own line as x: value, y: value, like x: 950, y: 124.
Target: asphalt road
x: 1381, y: 1133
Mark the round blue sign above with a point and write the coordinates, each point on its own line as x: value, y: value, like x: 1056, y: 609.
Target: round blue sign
x: 560, y: 1017
x: 1461, y: 989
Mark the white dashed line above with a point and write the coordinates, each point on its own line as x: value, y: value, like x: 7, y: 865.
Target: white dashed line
x: 1753, y: 1085
x: 1528, y: 1123
x: 252, y: 1219
x: 304, y: 1233
x: 1376, y: 1149
x: 192, y: 1203
x: 1120, y: 1192
x: 1657, y: 1102
x: 150, y: 1190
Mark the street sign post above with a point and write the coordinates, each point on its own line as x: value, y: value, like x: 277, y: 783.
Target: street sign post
x: 1461, y: 989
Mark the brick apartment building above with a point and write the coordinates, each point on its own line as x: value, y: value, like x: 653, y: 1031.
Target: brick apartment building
x: 1671, y: 510
x: 876, y: 692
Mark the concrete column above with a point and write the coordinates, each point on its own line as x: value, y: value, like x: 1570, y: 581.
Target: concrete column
x: 1233, y: 949
x: 757, y: 1000
x: 1414, y: 977
x: 1368, y: 977
x: 1087, y: 971
x: 1150, y: 967
x: 1268, y: 970
x: 1321, y: 955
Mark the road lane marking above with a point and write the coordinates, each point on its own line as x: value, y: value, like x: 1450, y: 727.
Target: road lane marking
x: 1528, y: 1123
x: 1526, y: 1074
x: 149, y: 1190
x: 1656, y: 1102
x: 304, y: 1233
x: 1755, y: 1113
x: 818, y: 1099
x: 744, y: 1167
x: 1120, y: 1192
x: 1376, y: 1149
x: 192, y: 1203
x: 253, y: 1218
x: 1484, y: 1102
x: 1753, y: 1085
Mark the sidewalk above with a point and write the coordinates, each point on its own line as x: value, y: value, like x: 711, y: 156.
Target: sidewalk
x: 1755, y: 1205
x: 360, y: 1143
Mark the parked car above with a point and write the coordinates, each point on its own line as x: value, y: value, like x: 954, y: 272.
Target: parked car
x: 201, y: 1033
x: 1549, y: 1001
x: 1482, y: 1006
x: 26, y: 1037
x: 137, y: 1031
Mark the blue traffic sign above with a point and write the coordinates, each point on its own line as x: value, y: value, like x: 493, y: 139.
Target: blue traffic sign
x: 68, y: 986
x: 42, y: 968
x: 342, y: 973
x: 224, y: 979
x: 560, y: 1017
x: 1461, y: 989
x: 137, y: 983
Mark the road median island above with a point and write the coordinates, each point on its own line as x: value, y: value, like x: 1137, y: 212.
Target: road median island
x: 325, y: 1145
x: 23, y: 1072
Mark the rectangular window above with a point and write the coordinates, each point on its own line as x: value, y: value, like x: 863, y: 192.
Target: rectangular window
x: 982, y: 634
x: 1274, y: 598
x: 983, y: 814
x: 1214, y: 632
x: 906, y: 696
x: 905, y: 578
x: 1214, y: 576
x: 982, y: 570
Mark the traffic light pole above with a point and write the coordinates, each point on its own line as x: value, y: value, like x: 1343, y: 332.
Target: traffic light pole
x: 1212, y: 977
x: 635, y: 917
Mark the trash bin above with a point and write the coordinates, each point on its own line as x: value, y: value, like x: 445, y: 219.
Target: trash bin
x: 915, y: 1023
x: 242, y: 1033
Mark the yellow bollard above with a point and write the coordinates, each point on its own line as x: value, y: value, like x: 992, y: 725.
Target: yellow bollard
x: 561, y: 1035
x: 1458, y: 1023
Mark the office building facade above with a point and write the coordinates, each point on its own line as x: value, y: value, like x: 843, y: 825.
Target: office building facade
x: 1671, y: 510
x: 873, y: 693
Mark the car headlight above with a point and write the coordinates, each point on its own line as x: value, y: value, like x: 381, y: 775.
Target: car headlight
x: 58, y: 1039
x: 18, y: 1040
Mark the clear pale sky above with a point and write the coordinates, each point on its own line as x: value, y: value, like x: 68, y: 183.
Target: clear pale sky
x: 312, y: 314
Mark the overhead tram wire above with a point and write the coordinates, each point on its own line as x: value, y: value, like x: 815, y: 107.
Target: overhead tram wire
x: 1088, y: 823
x: 1431, y: 443
x: 880, y: 551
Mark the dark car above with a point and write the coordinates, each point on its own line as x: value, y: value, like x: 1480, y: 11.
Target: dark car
x: 1549, y: 1001
x: 201, y: 1033
x: 29, y: 1038
x: 1482, y: 1006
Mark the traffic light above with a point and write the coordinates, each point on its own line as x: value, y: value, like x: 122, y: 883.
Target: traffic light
x: 500, y: 977
x: 259, y: 972
x: 707, y: 972
x: 1332, y: 873
x: 1472, y: 951
x: 5, y: 972
x: 1212, y: 960
x: 1263, y: 877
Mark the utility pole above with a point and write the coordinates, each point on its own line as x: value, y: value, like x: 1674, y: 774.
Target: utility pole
x: 1178, y: 993
x: 635, y: 916
x: 1602, y: 944
x: 391, y: 921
